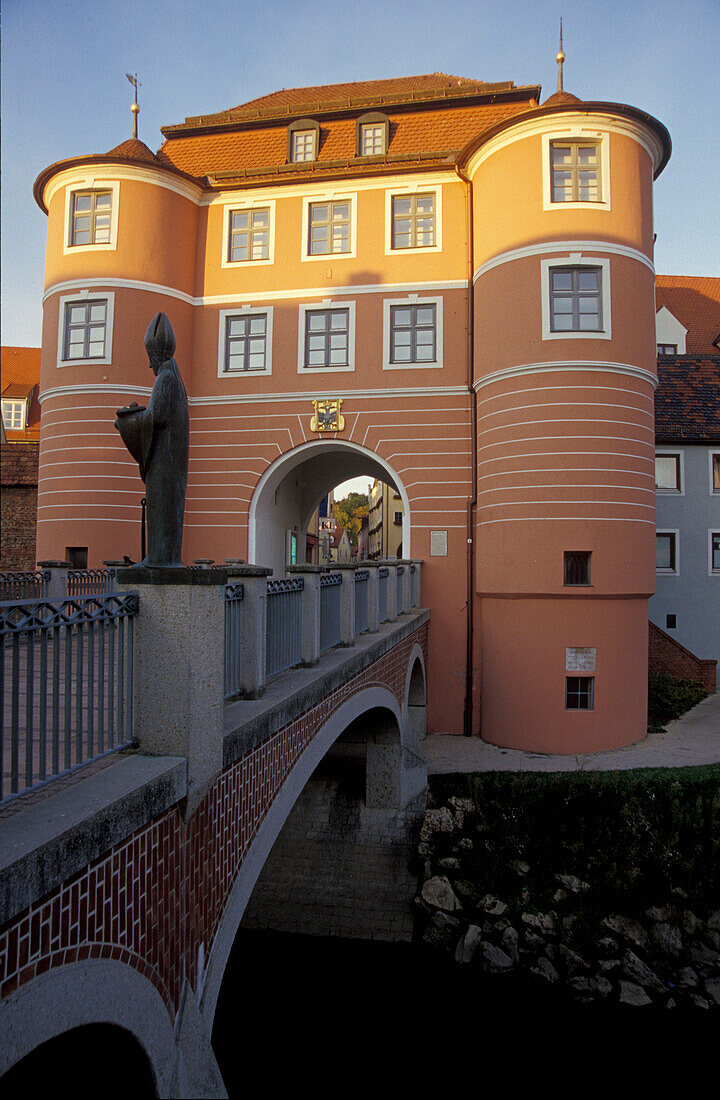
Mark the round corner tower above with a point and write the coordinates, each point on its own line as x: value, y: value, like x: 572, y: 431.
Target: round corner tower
x: 564, y: 374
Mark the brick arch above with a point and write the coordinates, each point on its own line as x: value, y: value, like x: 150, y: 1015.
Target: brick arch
x: 416, y: 697
x: 373, y: 698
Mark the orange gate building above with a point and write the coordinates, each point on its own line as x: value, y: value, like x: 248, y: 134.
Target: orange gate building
x: 429, y: 280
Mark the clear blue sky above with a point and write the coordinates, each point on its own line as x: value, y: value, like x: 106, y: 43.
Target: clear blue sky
x: 64, y: 90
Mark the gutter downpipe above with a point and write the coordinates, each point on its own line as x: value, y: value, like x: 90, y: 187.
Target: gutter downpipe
x: 472, y: 503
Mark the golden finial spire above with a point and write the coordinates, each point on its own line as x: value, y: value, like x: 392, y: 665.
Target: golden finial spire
x: 134, y: 108
x: 560, y: 57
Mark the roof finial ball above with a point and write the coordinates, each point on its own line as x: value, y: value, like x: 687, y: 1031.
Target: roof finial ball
x: 560, y: 57
x: 134, y: 107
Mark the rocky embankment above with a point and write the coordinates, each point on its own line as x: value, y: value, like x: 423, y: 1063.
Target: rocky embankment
x: 559, y: 932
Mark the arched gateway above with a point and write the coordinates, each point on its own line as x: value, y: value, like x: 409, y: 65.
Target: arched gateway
x: 291, y: 488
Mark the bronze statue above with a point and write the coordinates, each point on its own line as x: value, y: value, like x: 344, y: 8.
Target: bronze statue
x: 157, y: 438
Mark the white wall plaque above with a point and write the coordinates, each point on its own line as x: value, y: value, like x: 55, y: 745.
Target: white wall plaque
x: 579, y: 659
x: 438, y: 544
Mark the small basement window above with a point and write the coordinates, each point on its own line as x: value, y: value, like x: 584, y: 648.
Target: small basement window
x: 579, y: 692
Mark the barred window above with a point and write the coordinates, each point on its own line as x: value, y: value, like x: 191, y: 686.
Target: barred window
x: 579, y: 692
x: 577, y: 567
x: 413, y: 220
x: 91, y: 217
x: 249, y: 233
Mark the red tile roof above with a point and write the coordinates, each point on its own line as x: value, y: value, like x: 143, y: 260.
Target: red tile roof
x: 19, y: 378
x: 695, y: 302
x: 262, y: 150
x: 687, y: 400
x: 134, y: 148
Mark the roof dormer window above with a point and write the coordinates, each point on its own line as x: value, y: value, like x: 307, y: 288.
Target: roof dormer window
x: 303, y: 141
x: 372, y: 135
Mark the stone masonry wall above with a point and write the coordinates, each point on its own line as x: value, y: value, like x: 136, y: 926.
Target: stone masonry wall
x: 551, y: 927
x: 668, y: 655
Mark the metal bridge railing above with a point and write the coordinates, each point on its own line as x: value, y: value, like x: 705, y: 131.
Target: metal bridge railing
x: 67, y: 670
x: 362, y: 586
x: 383, y: 575
x: 284, y: 624
x: 90, y: 582
x: 233, y: 638
x: 330, y: 587
x: 31, y: 585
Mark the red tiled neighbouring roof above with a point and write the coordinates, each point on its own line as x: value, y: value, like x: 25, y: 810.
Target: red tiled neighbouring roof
x: 19, y: 366
x: 19, y: 376
x: 687, y: 400
x: 411, y: 133
x: 695, y: 302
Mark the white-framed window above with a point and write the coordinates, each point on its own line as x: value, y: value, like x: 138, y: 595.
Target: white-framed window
x: 576, y: 169
x: 245, y: 341
x: 85, y: 328
x: 412, y: 332
x: 667, y: 552
x: 329, y: 226
x: 714, y: 460
x: 91, y: 216
x: 372, y: 139
x: 575, y: 298
x: 326, y: 337
x: 13, y: 415
x: 413, y: 219
x: 669, y: 471
x: 714, y: 553
x: 303, y: 146
x: 248, y: 233
x: 579, y: 692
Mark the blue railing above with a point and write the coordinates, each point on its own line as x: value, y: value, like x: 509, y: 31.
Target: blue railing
x: 284, y: 624
x: 31, y: 585
x: 90, y: 582
x: 330, y: 589
x: 66, y: 673
x: 233, y: 610
x: 362, y: 585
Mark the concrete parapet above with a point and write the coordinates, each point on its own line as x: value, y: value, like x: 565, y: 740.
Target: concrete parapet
x: 347, y: 603
x: 57, y: 585
x: 310, y: 632
x: 373, y: 596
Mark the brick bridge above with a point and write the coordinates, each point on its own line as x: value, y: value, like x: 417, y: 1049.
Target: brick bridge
x: 124, y: 882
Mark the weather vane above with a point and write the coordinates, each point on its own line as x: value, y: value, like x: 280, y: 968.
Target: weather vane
x: 135, y: 108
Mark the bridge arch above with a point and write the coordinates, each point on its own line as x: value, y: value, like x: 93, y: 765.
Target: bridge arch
x: 291, y: 488
x: 416, y: 697
x: 382, y: 703
x: 95, y: 991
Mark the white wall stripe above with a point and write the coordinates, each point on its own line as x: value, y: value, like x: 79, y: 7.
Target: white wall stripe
x: 563, y: 247
x: 567, y: 368
x: 565, y: 519
x: 261, y: 399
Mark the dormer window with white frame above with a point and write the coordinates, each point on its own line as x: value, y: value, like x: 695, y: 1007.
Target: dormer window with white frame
x: 576, y: 169
x: 13, y: 415
x: 303, y: 141
x: 372, y: 136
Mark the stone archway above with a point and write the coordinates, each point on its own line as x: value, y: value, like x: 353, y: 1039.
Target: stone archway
x: 290, y: 490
